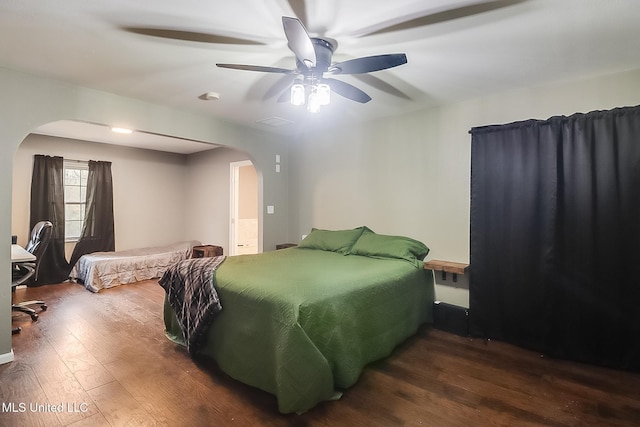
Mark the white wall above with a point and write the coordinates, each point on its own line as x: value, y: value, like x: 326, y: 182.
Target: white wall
x: 410, y: 175
x: 148, y: 188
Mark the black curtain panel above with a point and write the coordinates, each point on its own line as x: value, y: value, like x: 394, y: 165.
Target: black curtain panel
x: 555, y: 236
x: 98, y: 230
x: 47, y: 204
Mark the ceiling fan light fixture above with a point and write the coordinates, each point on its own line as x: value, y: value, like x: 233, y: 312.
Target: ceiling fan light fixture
x: 313, y: 104
x: 319, y: 94
x: 324, y: 93
x: 297, y: 94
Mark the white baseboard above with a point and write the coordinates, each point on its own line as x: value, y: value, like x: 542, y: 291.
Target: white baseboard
x: 6, y: 358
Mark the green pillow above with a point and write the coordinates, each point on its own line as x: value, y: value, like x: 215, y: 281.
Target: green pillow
x: 339, y: 241
x: 382, y: 246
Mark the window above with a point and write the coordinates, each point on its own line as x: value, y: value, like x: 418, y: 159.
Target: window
x: 75, y: 191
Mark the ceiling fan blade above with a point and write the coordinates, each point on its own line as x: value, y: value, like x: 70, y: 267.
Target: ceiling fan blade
x: 257, y: 68
x: 368, y: 64
x: 300, y: 9
x: 463, y: 9
x: 299, y: 41
x: 191, y: 36
x: 381, y: 85
x: 348, y: 91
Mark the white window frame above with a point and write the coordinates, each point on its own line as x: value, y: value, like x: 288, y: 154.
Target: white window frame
x: 76, y: 165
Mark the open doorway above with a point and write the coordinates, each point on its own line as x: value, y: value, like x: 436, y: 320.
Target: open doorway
x: 243, y: 233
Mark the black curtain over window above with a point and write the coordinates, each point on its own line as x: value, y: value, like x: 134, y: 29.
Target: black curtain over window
x: 98, y: 229
x: 555, y: 236
x: 47, y: 204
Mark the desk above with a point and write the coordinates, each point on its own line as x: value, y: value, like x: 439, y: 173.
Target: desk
x: 18, y: 255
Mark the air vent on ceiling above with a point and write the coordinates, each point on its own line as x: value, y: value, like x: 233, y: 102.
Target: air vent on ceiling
x: 275, y: 122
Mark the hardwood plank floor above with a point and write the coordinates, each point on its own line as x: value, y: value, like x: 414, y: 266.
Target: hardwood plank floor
x: 103, y: 360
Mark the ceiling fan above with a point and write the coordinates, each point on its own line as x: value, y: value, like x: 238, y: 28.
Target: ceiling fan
x: 311, y: 85
x: 315, y: 70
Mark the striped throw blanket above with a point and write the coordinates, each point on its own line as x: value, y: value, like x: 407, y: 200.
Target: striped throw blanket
x: 189, y: 285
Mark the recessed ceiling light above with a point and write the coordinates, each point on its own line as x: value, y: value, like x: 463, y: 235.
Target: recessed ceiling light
x: 121, y: 130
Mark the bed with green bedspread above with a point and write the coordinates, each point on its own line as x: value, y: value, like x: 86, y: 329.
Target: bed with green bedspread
x: 301, y: 323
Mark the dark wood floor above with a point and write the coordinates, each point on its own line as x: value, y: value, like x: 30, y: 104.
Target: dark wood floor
x: 104, y: 357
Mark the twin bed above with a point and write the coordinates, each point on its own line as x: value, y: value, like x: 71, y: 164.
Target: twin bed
x: 301, y: 323
x: 101, y: 270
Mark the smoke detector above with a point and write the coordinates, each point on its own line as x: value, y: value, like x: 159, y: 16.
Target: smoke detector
x: 210, y: 96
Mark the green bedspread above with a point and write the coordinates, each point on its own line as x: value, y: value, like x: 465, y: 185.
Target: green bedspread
x: 302, y: 323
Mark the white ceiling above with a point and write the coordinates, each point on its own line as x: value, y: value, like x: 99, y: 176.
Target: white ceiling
x: 454, y: 52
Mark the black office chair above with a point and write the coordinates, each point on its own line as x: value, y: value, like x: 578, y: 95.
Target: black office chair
x: 26, y: 272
